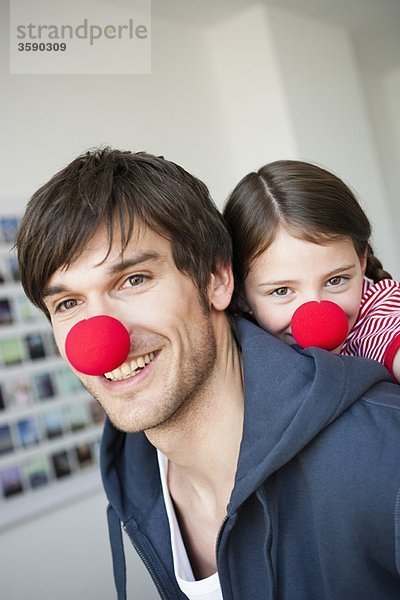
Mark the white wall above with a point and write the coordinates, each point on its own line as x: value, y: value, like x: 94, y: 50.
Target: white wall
x: 383, y: 97
x: 224, y: 97
x: 248, y: 80
x: 391, y: 151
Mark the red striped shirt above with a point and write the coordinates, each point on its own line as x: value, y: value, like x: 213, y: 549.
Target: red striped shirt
x: 378, y: 321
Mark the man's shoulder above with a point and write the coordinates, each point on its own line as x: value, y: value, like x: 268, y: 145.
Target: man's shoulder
x: 384, y: 395
x: 370, y: 428
x: 252, y: 337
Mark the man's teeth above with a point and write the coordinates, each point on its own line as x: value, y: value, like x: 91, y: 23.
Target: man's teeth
x: 128, y: 369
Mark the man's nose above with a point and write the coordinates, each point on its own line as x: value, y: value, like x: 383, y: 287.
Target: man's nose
x: 101, y: 307
x: 97, y: 345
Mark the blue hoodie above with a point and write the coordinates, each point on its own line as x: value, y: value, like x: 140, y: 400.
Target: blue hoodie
x: 315, y: 509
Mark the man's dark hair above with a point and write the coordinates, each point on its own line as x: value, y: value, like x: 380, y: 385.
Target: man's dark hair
x: 113, y: 188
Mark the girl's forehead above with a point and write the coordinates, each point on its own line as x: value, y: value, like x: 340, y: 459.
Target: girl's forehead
x: 291, y: 251
x: 288, y: 238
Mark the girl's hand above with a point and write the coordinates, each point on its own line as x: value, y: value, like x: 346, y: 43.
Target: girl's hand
x: 391, y: 359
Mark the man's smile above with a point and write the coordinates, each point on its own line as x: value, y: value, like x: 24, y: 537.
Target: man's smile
x: 130, y: 368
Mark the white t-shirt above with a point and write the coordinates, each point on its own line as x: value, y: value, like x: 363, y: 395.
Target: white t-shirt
x: 202, y: 589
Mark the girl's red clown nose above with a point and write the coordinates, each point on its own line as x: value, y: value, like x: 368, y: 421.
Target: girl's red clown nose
x: 322, y: 324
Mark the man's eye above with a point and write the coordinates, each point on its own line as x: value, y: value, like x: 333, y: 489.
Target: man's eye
x: 135, y: 280
x: 66, y: 304
x: 282, y: 291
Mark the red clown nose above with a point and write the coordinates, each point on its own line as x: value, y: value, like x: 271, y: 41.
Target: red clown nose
x: 97, y: 345
x: 322, y: 324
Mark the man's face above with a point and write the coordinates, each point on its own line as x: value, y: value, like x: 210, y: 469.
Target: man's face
x: 173, y: 345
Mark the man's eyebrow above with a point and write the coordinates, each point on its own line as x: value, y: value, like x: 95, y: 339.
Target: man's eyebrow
x: 134, y: 261
x: 53, y: 290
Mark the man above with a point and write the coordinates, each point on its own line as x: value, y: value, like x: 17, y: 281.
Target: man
x: 238, y: 466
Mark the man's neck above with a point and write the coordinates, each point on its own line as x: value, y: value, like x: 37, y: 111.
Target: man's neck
x: 203, y: 441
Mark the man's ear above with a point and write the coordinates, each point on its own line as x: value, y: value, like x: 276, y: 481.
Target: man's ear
x: 221, y: 287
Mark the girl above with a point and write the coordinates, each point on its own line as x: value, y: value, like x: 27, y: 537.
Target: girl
x: 299, y: 234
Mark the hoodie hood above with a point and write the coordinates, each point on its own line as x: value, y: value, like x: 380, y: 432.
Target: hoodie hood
x: 290, y: 396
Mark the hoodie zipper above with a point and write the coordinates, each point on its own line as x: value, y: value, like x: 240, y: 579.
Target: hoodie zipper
x: 218, y: 539
x: 148, y: 566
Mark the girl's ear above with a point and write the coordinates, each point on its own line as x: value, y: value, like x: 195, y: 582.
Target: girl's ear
x: 221, y: 287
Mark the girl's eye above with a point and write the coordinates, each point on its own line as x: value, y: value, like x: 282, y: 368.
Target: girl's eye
x: 282, y: 291
x: 66, y: 304
x: 337, y: 280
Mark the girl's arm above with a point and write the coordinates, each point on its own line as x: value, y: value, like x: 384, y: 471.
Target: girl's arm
x: 396, y: 367
x: 391, y: 359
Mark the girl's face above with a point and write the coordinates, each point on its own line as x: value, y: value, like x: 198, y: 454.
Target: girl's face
x: 293, y: 271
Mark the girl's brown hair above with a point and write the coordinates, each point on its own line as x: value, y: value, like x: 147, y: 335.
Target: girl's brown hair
x: 307, y: 201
